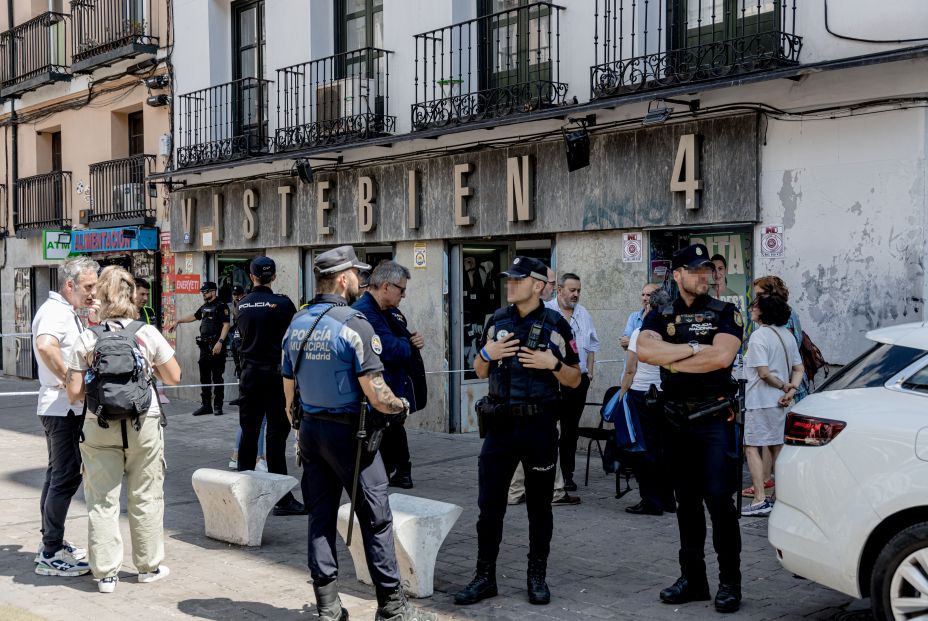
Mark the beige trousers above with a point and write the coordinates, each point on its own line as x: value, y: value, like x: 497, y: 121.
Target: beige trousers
x: 105, y: 463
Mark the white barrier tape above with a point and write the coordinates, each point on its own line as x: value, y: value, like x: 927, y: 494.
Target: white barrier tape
x: 16, y: 334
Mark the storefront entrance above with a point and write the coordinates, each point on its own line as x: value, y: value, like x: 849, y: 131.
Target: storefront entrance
x: 476, y: 293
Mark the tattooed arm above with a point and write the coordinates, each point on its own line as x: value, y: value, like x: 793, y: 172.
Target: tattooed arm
x: 379, y: 395
x: 74, y: 382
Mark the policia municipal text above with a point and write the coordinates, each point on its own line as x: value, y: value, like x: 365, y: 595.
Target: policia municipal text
x: 528, y: 353
x: 695, y: 341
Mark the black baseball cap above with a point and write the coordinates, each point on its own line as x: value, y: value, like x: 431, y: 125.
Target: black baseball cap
x: 263, y: 266
x: 338, y: 260
x: 238, y: 290
x: 209, y: 285
x: 691, y: 257
x: 525, y: 267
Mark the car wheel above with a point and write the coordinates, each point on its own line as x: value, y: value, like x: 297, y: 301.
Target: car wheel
x: 899, y: 583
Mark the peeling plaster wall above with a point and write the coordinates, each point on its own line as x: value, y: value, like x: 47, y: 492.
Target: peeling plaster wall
x: 851, y: 196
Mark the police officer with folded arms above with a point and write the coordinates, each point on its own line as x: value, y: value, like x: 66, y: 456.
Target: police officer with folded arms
x: 214, y: 317
x: 528, y: 351
x: 695, y: 341
x: 330, y: 357
x: 263, y: 318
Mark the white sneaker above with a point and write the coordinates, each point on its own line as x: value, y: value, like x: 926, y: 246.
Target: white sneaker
x: 108, y: 584
x: 154, y: 576
x: 78, y: 553
x: 61, y: 564
x: 233, y: 464
x: 261, y: 466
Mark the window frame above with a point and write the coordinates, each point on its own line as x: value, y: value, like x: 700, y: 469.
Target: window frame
x: 342, y: 17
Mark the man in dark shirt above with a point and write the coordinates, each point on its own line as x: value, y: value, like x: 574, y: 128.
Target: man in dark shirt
x: 142, y: 298
x: 263, y: 317
x: 695, y: 341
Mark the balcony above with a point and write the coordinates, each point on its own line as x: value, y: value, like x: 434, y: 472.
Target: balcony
x: 223, y: 123
x: 39, y: 50
x: 106, y: 31
x: 644, y: 45
x: 490, y: 67
x: 118, y: 192
x: 335, y: 100
x: 44, y: 203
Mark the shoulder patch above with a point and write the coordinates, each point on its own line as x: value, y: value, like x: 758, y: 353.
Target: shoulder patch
x: 739, y: 321
x: 376, y: 345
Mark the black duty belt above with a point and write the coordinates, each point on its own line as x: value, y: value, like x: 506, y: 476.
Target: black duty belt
x: 343, y: 418
x: 261, y: 366
x: 525, y: 409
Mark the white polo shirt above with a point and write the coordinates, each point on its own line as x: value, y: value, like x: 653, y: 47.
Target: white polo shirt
x: 56, y: 318
x: 581, y: 324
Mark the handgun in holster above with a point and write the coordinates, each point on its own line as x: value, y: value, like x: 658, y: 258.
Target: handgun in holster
x: 487, y: 408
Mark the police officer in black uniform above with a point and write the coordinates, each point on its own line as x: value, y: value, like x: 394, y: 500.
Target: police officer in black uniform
x: 331, y: 354
x: 695, y: 341
x: 263, y: 318
x: 214, y: 328
x: 527, y: 351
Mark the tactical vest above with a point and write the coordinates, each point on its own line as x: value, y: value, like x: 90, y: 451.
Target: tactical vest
x: 512, y: 383
x: 686, y: 326
x: 211, y: 320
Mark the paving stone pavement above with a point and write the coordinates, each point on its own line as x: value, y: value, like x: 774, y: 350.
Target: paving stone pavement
x: 605, y: 563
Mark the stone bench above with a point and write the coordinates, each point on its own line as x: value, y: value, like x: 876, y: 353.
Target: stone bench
x: 236, y: 504
x: 420, y: 526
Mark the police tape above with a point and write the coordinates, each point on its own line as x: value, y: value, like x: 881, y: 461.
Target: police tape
x: 16, y: 334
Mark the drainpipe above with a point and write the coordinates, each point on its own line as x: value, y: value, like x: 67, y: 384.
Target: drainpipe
x: 14, y: 125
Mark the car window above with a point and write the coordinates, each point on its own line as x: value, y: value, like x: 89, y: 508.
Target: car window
x: 918, y: 382
x: 874, y: 367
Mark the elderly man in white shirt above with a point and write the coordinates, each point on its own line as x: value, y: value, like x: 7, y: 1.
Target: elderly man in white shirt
x: 55, y: 329
x: 567, y: 302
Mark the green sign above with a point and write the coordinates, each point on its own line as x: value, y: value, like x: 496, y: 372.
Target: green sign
x: 56, y: 245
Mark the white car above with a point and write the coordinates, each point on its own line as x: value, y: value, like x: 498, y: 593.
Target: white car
x: 852, y: 481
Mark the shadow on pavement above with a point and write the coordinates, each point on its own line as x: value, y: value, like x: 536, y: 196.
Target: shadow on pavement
x: 222, y: 608
x: 22, y: 559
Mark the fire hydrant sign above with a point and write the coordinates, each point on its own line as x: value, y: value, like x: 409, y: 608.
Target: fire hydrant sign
x: 632, y: 247
x: 771, y: 242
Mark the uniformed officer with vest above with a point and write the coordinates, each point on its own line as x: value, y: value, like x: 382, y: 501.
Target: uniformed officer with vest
x: 695, y: 341
x: 263, y: 318
x: 331, y: 357
x: 527, y: 352
x: 214, y: 317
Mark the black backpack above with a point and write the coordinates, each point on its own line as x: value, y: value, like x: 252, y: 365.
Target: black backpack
x: 118, y: 385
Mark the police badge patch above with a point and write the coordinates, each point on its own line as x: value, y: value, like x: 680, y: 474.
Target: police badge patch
x: 376, y: 345
x: 739, y: 321
x: 501, y: 335
x: 671, y: 329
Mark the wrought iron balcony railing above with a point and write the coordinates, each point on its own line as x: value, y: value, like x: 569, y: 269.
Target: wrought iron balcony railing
x: 223, y: 123
x: 44, y: 202
x: 118, y: 192
x: 39, y: 49
x: 489, y: 67
x: 335, y: 100
x: 644, y: 45
x: 105, y: 31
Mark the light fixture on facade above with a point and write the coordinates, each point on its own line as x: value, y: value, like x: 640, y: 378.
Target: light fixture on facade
x: 659, y: 111
x: 170, y: 183
x: 577, y: 142
x: 304, y: 170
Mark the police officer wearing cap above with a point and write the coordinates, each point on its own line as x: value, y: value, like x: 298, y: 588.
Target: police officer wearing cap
x: 527, y: 352
x: 213, y: 316
x: 263, y: 318
x: 331, y: 356
x: 695, y: 341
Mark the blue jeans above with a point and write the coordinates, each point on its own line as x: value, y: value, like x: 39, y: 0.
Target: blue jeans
x: 238, y: 438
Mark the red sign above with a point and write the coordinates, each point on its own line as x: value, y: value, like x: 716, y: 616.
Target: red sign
x: 187, y: 283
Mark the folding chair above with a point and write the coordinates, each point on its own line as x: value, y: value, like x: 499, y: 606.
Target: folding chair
x: 597, y: 434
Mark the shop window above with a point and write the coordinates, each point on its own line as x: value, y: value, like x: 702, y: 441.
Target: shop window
x: 372, y: 255
x: 232, y: 270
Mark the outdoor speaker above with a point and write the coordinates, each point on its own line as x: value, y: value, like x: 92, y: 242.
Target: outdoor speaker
x: 577, y: 143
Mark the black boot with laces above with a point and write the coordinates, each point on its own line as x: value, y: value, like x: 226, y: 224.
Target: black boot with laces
x: 538, y: 592
x: 481, y: 587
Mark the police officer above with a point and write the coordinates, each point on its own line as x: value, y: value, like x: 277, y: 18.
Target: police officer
x: 235, y: 337
x: 213, y: 316
x: 527, y: 352
x: 263, y: 317
x: 331, y: 353
x: 695, y: 341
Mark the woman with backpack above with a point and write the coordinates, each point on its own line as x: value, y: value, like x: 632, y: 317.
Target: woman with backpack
x: 113, y: 367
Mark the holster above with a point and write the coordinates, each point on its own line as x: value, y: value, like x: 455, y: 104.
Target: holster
x: 296, y: 410
x: 681, y: 415
x: 488, y: 408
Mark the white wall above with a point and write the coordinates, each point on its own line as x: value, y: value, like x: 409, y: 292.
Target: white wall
x: 851, y: 195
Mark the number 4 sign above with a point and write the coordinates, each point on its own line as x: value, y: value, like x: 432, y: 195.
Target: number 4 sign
x: 686, y: 169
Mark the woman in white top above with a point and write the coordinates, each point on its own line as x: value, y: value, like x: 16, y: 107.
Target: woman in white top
x: 773, y: 370
x: 122, y: 449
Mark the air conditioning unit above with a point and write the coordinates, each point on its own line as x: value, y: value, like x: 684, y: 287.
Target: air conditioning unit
x: 128, y: 197
x: 339, y: 99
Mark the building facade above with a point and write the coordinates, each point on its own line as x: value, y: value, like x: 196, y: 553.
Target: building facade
x: 451, y: 135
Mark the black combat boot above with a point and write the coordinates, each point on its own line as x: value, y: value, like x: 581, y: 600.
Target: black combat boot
x: 392, y: 606
x: 402, y: 478
x: 328, y: 604
x: 481, y: 587
x: 203, y: 409
x: 538, y: 592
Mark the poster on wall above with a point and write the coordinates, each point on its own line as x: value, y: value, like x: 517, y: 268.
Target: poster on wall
x: 771, y: 242
x: 419, y: 256
x: 731, y: 255
x: 168, y: 301
x: 632, y: 245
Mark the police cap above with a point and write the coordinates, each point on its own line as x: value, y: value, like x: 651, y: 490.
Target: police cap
x: 263, y: 266
x: 338, y: 260
x: 238, y: 290
x: 209, y: 285
x: 524, y: 267
x: 691, y: 257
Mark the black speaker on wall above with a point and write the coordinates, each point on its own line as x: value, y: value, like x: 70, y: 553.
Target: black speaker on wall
x: 577, y: 144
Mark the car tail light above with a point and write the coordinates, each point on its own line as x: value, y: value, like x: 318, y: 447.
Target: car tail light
x: 811, y: 431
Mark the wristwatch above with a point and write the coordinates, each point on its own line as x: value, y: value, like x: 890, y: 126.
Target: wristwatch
x: 557, y: 367
x: 695, y: 347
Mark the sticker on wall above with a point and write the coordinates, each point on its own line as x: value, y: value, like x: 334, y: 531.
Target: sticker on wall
x: 771, y: 242
x: 188, y: 263
x: 631, y: 247
x: 207, y: 238
x: 187, y: 284
x: 419, y: 256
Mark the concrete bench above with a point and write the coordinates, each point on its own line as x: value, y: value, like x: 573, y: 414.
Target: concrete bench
x: 236, y: 504
x: 420, y: 526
